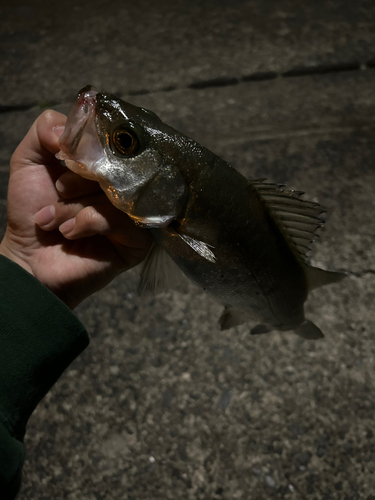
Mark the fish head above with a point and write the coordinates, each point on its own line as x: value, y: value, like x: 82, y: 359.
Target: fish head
x: 128, y: 151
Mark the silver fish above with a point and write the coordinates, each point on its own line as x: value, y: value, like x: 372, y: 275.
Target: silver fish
x: 244, y: 241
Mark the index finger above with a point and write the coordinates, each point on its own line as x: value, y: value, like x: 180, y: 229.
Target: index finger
x: 72, y: 185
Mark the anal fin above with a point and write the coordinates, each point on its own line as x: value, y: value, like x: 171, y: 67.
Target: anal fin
x: 259, y: 329
x: 309, y: 331
x: 232, y: 316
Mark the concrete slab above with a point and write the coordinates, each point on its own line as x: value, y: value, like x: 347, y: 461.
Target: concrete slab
x: 165, y: 405
x: 146, y: 46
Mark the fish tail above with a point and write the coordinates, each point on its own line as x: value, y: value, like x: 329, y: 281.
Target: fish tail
x: 318, y: 277
x: 308, y: 330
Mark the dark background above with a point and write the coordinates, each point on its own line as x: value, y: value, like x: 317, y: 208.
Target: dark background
x: 163, y: 405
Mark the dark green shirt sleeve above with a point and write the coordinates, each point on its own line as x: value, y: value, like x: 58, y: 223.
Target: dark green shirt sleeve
x: 39, y: 338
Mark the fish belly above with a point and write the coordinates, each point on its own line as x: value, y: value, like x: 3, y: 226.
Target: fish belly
x: 254, y: 267
x: 232, y: 281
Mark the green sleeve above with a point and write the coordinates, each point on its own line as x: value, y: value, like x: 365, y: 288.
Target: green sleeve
x: 39, y: 338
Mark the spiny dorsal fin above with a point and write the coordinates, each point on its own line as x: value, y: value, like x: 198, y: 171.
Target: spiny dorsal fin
x: 297, y: 219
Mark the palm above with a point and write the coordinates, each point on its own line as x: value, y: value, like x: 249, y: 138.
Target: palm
x: 71, y: 268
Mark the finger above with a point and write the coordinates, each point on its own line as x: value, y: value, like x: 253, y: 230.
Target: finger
x: 71, y: 185
x: 52, y: 216
x: 50, y: 126
x: 41, y: 142
x: 106, y: 220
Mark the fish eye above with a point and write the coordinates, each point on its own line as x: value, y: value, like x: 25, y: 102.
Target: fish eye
x: 125, y: 141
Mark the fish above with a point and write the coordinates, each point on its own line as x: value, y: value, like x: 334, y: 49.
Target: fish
x: 244, y: 241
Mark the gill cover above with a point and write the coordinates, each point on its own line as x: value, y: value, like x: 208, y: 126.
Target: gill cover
x: 141, y: 179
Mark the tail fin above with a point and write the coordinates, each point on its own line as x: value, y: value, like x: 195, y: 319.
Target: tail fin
x: 308, y: 330
x: 318, y: 277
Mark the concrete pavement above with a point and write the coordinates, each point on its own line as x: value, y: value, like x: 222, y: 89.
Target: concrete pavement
x: 163, y: 404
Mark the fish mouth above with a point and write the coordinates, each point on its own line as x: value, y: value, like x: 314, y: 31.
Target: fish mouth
x: 80, y: 136
x: 80, y: 146
x: 82, y: 111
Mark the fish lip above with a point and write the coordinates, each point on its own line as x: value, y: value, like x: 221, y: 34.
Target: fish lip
x: 82, y: 111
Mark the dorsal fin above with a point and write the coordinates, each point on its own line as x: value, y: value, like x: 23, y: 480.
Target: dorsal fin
x: 297, y: 219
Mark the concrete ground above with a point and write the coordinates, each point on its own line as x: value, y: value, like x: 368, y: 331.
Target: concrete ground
x: 162, y: 404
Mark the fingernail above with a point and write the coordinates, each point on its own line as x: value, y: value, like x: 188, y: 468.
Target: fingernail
x: 67, y: 226
x: 45, y: 216
x: 60, y: 186
x: 58, y: 130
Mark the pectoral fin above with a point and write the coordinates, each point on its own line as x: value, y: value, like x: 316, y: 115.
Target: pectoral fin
x: 203, y: 249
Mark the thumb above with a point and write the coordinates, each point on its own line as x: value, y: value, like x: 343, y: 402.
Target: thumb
x: 41, y: 142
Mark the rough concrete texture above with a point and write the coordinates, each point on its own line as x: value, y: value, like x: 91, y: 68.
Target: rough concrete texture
x: 163, y: 405
x: 144, y: 45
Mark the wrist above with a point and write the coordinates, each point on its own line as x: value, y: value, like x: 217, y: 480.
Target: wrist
x: 11, y: 253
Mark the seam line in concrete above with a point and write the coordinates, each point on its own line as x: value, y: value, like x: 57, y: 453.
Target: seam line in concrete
x: 357, y: 274
x: 225, y: 81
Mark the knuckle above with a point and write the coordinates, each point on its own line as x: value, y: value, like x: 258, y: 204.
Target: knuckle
x: 88, y: 217
x: 63, y: 211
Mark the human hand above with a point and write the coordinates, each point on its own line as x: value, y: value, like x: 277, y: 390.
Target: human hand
x: 67, y: 235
